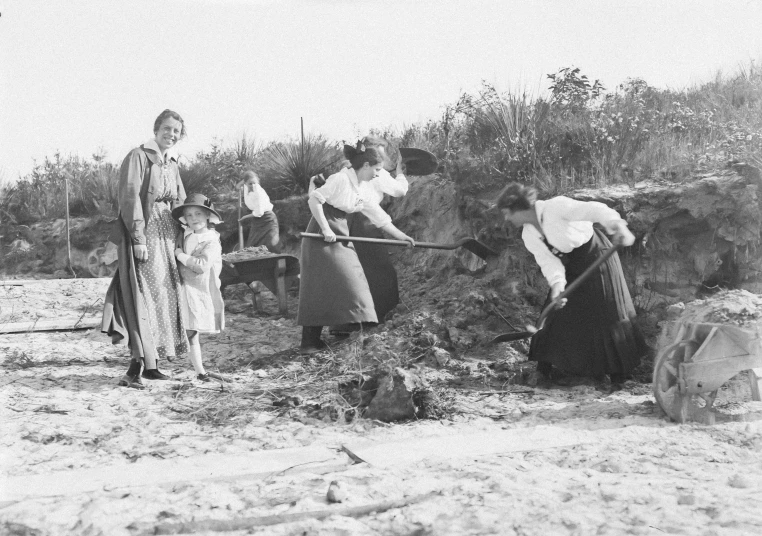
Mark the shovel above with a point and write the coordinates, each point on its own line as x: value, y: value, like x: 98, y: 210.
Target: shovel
x: 531, y: 330
x: 471, y: 244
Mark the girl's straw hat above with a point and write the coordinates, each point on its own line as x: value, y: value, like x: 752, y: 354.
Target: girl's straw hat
x: 197, y: 200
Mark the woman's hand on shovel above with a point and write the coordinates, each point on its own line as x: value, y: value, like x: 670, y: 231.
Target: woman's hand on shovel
x: 555, y: 292
x: 410, y: 241
x: 329, y: 236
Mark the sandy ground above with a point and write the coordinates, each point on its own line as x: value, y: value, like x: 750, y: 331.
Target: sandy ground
x: 80, y: 455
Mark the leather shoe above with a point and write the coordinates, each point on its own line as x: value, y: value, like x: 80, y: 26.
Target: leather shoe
x: 154, y: 374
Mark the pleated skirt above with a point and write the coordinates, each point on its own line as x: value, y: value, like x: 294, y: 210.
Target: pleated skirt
x: 596, y: 332
x: 333, y: 289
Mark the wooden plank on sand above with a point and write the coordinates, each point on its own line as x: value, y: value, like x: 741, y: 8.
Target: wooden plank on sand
x: 268, y: 463
x: 449, y: 447
x: 51, y: 324
x: 151, y: 472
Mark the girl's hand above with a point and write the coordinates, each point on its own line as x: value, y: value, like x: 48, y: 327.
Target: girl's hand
x: 141, y: 252
x: 178, y: 251
x: 196, y: 269
x: 329, y: 236
x: 410, y: 241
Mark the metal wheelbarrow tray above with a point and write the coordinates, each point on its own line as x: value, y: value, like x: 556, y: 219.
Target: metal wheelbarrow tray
x: 689, y: 372
x: 272, y: 270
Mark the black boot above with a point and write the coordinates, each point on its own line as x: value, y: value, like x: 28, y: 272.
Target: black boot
x: 311, y: 341
x: 132, y: 377
x: 134, y: 369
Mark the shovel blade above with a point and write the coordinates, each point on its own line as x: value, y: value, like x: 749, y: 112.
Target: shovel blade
x: 513, y: 336
x: 477, y: 248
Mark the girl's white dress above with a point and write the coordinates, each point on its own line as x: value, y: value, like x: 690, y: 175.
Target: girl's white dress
x: 202, y: 309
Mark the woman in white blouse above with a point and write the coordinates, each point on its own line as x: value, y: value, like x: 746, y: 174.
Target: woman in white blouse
x: 333, y: 289
x: 375, y: 260
x: 593, y: 333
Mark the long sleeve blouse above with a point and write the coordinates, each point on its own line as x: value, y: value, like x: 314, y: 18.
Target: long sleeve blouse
x: 566, y: 224
x: 384, y: 183
x: 257, y: 200
x: 345, y: 192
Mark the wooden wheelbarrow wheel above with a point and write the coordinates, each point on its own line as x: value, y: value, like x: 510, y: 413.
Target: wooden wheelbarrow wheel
x: 680, y: 407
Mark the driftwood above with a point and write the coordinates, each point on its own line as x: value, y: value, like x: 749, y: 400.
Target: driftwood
x: 21, y: 282
x: 243, y: 523
x: 51, y: 324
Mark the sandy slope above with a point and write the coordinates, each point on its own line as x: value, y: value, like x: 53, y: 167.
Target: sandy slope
x: 558, y: 461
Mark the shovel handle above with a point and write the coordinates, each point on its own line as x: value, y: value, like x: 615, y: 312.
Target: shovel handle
x: 387, y: 242
x: 576, y: 283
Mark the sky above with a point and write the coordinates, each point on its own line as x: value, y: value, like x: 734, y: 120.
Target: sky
x: 84, y: 76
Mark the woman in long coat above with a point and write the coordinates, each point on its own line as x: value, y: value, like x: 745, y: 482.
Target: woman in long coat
x: 333, y: 288
x: 594, y: 333
x: 142, y: 303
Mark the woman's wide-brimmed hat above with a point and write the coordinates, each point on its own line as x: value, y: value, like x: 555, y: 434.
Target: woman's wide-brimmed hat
x: 197, y: 200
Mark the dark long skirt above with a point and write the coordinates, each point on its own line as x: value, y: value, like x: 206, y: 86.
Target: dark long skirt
x: 595, y: 333
x: 264, y: 231
x: 333, y: 289
x: 378, y: 267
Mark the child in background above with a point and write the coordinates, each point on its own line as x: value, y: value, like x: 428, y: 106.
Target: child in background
x: 199, y: 260
x: 263, y: 230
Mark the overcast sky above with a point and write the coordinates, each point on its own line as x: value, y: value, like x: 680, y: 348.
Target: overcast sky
x: 80, y: 75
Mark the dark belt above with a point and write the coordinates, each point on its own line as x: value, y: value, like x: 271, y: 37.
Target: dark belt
x: 164, y: 199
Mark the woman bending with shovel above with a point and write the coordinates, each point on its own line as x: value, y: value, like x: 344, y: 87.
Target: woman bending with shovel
x: 333, y: 288
x: 592, y: 331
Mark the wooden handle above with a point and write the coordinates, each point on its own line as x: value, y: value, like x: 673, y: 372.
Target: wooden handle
x: 240, y: 227
x: 384, y: 241
x: 576, y: 283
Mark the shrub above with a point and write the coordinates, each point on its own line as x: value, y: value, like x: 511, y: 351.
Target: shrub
x: 41, y: 194
x: 286, y: 167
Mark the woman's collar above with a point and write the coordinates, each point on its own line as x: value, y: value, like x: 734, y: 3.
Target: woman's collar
x: 171, y: 153
x: 353, y: 180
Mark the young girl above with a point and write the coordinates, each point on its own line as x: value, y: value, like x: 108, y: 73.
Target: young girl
x: 199, y: 257
x: 263, y: 230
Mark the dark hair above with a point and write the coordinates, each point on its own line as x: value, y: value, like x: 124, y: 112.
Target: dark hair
x: 361, y: 154
x: 388, y: 151
x: 249, y: 174
x: 166, y: 114
x: 516, y: 196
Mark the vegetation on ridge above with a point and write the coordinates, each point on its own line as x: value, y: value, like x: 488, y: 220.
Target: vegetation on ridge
x: 577, y: 135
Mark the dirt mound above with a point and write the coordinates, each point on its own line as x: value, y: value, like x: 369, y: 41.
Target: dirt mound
x: 738, y: 307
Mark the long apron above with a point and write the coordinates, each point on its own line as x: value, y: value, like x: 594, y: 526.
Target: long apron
x: 595, y: 332
x: 333, y: 289
x: 377, y: 265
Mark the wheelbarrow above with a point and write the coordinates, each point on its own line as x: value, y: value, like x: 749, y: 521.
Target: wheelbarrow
x: 274, y: 271
x: 690, y: 371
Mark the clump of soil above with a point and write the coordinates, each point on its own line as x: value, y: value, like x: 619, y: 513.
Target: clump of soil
x: 738, y: 307
x: 246, y: 254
